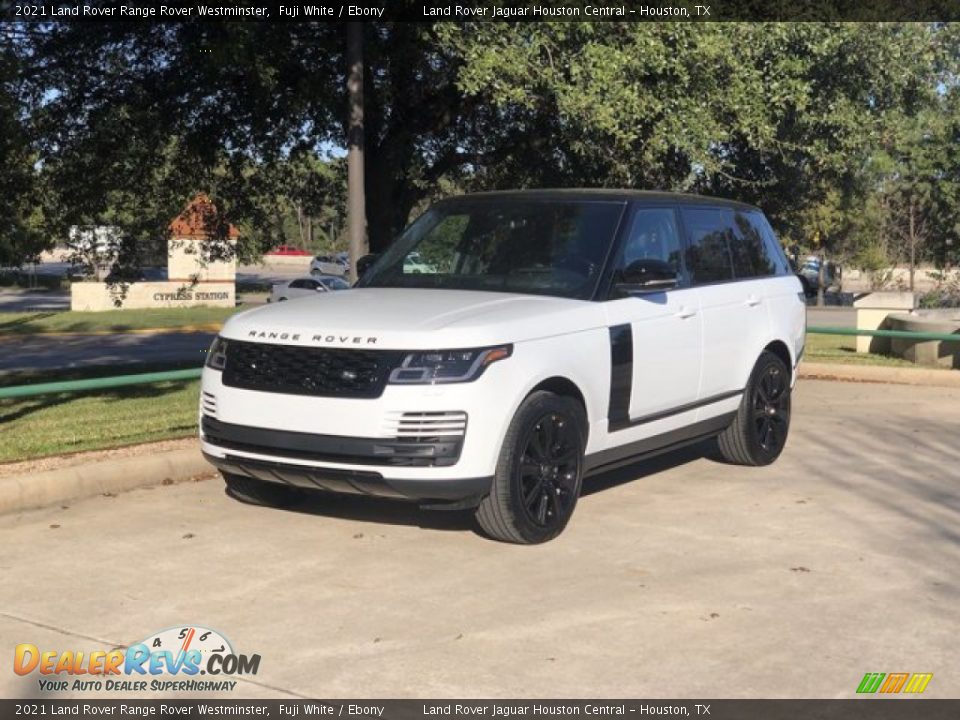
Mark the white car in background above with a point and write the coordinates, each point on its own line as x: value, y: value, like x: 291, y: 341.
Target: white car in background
x: 328, y: 265
x: 303, y: 287
x: 413, y: 264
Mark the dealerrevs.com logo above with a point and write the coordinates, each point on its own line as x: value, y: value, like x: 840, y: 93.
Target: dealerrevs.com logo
x: 168, y: 661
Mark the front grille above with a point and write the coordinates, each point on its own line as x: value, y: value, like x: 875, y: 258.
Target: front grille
x: 331, y: 372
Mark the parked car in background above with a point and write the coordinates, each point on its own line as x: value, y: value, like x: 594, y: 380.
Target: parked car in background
x: 328, y: 265
x: 809, y: 273
x: 414, y: 264
x: 288, y: 250
x: 302, y: 287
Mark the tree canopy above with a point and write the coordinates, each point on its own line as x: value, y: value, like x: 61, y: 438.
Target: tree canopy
x: 836, y: 130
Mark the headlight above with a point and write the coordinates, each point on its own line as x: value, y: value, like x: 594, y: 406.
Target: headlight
x: 217, y: 354
x: 447, y: 366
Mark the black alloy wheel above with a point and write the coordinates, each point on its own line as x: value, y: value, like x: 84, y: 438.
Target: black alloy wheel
x: 539, y: 472
x: 771, y: 409
x: 549, y: 469
x: 758, y: 432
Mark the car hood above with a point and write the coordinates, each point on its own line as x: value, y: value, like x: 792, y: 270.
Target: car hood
x: 415, y: 319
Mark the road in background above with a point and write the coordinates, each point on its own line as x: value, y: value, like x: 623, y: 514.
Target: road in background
x: 15, y: 300
x: 47, y: 352
x: 678, y: 577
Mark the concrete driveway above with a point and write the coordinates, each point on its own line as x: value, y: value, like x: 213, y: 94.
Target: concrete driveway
x: 680, y: 577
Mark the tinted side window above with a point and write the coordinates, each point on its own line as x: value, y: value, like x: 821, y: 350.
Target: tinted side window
x: 772, y: 247
x: 753, y: 247
x: 653, y: 235
x: 708, y: 254
x: 297, y: 285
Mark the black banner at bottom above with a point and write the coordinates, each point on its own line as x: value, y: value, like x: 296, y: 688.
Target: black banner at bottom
x: 873, y: 708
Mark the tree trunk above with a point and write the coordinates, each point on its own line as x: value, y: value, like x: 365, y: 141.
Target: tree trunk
x: 390, y: 197
x: 913, y: 245
x: 300, y: 222
x: 356, y: 204
x: 821, y: 276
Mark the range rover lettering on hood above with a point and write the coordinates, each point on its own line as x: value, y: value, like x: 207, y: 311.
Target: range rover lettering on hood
x: 319, y: 338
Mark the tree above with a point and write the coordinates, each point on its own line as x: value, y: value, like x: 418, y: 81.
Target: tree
x: 21, y: 219
x: 784, y: 115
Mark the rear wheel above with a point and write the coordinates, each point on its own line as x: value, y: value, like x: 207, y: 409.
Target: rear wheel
x: 539, y: 472
x: 759, y: 430
x: 259, y: 492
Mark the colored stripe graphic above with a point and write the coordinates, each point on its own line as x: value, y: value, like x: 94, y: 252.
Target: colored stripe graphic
x: 918, y: 683
x: 870, y: 682
x: 894, y: 682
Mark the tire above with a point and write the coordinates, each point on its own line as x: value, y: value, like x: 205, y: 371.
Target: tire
x: 282, y: 300
x: 539, y: 472
x: 260, y: 492
x: 760, y: 428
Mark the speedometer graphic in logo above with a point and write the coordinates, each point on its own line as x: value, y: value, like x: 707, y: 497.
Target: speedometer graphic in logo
x: 177, y: 640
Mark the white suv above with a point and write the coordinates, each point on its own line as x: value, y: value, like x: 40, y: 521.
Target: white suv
x: 556, y: 335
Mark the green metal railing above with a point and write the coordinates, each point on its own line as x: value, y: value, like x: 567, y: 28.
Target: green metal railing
x: 104, y: 383
x: 907, y: 334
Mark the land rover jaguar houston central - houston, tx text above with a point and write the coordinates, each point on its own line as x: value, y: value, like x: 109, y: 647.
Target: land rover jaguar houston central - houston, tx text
x: 539, y: 337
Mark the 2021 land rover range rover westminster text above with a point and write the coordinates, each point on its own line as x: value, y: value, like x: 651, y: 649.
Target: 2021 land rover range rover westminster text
x: 545, y: 336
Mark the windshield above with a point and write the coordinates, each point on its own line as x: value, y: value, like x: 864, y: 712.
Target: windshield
x: 542, y: 247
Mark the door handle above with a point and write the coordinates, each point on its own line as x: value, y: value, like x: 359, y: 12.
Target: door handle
x: 685, y: 313
x: 753, y: 300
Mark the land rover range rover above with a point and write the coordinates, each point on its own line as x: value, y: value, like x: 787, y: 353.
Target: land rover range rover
x: 546, y: 336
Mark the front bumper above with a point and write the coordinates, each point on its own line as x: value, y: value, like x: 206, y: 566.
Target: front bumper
x: 355, y: 482
x: 398, y: 452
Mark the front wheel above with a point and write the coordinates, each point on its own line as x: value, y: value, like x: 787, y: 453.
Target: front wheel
x: 759, y: 430
x: 539, y: 472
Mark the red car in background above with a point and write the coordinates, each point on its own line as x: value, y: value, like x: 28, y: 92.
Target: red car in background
x: 289, y: 250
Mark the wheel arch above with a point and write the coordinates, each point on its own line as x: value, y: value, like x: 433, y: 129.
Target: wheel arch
x: 564, y: 387
x: 782, y: 351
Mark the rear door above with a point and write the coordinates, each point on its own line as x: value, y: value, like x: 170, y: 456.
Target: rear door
x: 732, y: 297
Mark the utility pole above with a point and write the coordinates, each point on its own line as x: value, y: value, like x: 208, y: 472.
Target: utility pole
x: 356, y: 202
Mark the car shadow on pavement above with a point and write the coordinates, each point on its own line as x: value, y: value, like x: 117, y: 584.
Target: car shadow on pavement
x: 650, y: 466
x: 382, y: 511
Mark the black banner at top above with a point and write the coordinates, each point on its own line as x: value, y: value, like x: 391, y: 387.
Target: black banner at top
x: 478, y: 10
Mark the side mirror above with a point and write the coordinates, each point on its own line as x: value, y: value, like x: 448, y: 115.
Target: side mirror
x: 646, y: 275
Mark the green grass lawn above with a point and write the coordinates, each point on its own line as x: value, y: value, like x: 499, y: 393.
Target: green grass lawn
x: 21, y: 323
x: 58, y: 424
x: 842, y: 349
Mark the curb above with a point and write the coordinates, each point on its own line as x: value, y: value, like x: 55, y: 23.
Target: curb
x: 210, y: 327
x: 879, y: 374
x: 26, y: 492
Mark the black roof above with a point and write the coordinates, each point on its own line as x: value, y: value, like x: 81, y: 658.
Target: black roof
x: 617, y: 195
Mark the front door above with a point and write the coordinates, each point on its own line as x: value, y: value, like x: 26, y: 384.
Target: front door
x: 655, y: 337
